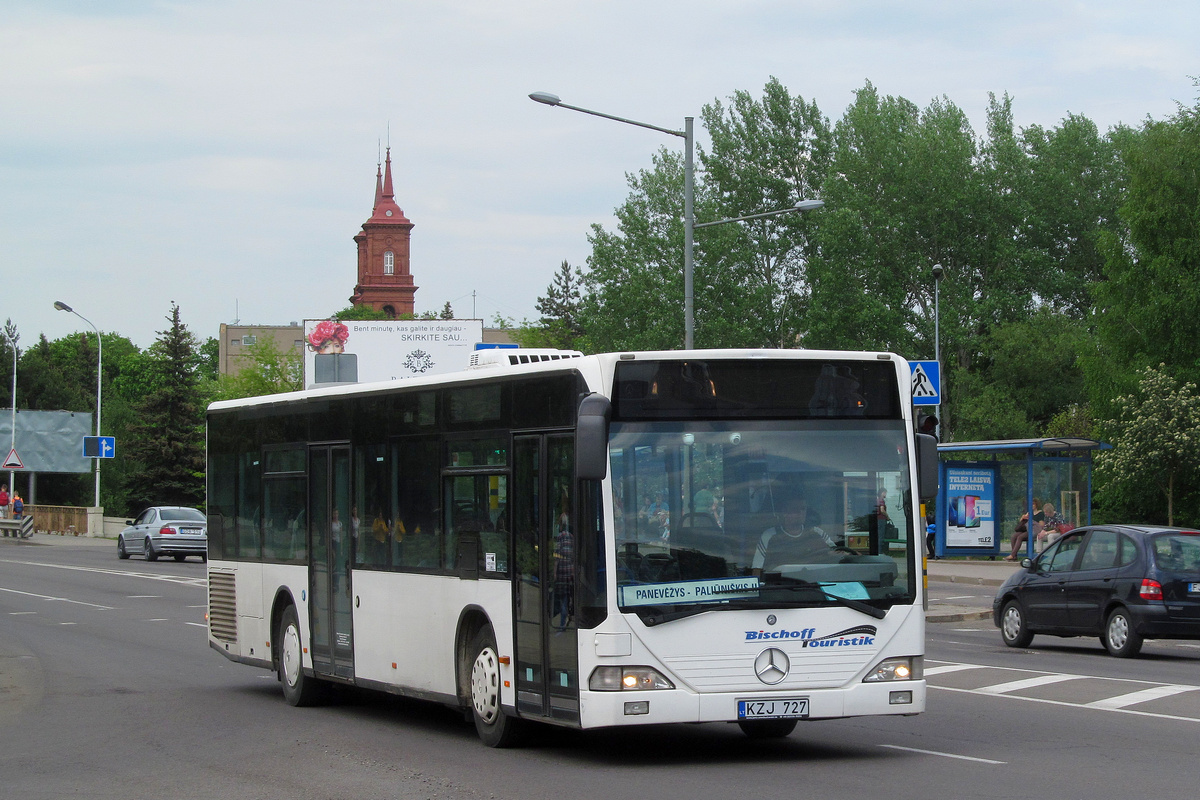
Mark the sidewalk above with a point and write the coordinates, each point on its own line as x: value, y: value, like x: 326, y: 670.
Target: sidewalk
x: 973, y: 572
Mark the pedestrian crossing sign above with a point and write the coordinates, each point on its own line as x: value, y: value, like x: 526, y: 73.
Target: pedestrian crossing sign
x: 926, y: 383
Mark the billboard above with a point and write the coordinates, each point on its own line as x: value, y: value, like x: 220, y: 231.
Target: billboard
x: 48, y: 441
x: 366, y: 351
x: 970, y: 500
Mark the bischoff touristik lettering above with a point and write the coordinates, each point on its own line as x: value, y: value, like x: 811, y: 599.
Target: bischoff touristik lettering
x: 859, y: 636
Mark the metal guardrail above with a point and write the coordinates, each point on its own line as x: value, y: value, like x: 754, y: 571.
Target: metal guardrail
x: 22, y: 528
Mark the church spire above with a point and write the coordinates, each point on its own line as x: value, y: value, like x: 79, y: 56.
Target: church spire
x: 387, y: 176
x: 385, y: 209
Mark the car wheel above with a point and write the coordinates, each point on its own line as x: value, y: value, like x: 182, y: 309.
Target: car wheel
x: 122, y: 553
x: 1013, y: 629
x: 767, y: 728
x: 495, y: 728
x: 151, y: 554
x: 1120, y: 639
x: 298, y: 689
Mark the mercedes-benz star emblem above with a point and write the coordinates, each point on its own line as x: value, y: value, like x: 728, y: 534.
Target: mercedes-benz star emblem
x: 772, y: 665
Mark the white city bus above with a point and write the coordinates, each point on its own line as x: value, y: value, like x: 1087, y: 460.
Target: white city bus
x: 583, y: 540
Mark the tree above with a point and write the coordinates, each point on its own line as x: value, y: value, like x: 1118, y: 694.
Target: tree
x: 1156, y: 443
x: 167, y: 442
x: 559, y: 326
x: 1145, y: 307
x: 749, y: 280
x: 447, y: 311
x: 271, y: 371
x: 364, y: 312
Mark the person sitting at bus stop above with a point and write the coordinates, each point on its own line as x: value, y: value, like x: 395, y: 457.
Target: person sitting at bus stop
x: 1051, y: 521
x: 792, y: 540
x: 1021, y: 532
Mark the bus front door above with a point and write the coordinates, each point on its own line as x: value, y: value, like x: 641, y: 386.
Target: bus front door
x: 329, y: 572
x: 543, y: 504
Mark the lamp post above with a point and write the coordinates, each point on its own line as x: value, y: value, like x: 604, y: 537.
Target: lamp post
x: 61, y: 306
x: 10, y: 333
x: 937, y: 345
x: 688, y: 183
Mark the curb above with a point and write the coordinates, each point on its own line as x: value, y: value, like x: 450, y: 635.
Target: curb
x: 967, y: 579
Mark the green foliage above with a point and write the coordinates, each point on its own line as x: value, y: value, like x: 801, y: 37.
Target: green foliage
x: 559, y: 326
x: 1146, y: 306
x: 271, y: 371
x: 167, y: 441
x: 363, y: 312
x: 1156, y: 447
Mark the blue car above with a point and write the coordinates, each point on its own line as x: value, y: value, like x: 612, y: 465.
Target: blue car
x: 1123, y: 583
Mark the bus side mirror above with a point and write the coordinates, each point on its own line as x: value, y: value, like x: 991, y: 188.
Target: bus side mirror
x: 927, y: 466
x: 591, y: 438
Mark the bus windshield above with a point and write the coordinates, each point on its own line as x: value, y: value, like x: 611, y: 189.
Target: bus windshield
x: 757, y: 513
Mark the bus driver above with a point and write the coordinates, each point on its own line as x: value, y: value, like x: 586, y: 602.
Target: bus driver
x: 792, y: 541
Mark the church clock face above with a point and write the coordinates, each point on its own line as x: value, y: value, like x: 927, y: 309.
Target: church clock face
x: 389, y: 213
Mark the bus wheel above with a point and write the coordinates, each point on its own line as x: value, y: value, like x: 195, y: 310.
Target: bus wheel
x: 767, y: 728
x: 495, y: 728
x: 298, y: 688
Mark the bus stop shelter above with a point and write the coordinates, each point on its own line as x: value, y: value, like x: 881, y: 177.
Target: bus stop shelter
x: 987, y: 486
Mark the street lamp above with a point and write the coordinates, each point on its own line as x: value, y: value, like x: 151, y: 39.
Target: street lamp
x: 61, y: 306
x: 937, y: 346
x: 803, y: 205
x: 688, y: 176
x: 10, y: 333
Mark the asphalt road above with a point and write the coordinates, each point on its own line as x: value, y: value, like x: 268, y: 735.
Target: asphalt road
x: 108, y: 690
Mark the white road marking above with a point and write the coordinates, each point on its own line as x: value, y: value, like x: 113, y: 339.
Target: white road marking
x: 180, y: 580
x: 1118, y: 704
x: 943, y: 755
x: 1141, y: 696
x: 942, y: 670
x: 160, y: 619
x: 963, y: 597
x: 58, y: 599
x: 1027, y: 683
x: 19, y: 613
x: 197, y: 624
x: 143, y: 596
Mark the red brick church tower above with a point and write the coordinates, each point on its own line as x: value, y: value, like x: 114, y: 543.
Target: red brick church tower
x: 384, y: 282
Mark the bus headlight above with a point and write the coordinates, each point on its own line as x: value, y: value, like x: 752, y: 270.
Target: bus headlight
x: 895, y: 669
x: 618, y: 679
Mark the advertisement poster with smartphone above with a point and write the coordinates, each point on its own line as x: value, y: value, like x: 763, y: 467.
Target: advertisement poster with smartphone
x: 970, y: 498
x: 365, y: 351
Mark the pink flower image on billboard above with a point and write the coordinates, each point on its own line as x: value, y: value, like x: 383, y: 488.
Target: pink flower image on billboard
x: 328, y: 337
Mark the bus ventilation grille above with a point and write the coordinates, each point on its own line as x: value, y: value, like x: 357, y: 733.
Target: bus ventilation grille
x: 512, y: 358
x: 222, y: 606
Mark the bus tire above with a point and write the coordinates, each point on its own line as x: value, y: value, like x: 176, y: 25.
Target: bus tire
x: 495, y: 728
x: 298, y: 689
x: 767, y: 728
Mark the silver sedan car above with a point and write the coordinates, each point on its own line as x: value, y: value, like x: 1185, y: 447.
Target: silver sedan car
x: 165, y: 531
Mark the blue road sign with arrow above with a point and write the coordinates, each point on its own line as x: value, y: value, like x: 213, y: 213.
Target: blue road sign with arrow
x: 99, y: 446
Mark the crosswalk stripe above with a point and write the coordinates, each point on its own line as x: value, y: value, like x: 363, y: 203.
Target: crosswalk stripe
x: 1142, y: 696
x: 1027, y: 683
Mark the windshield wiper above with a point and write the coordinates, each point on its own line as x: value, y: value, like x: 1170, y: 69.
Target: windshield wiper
x: 857, y: 605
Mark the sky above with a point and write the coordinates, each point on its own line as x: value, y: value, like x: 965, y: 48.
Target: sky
x: 221, y: 154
